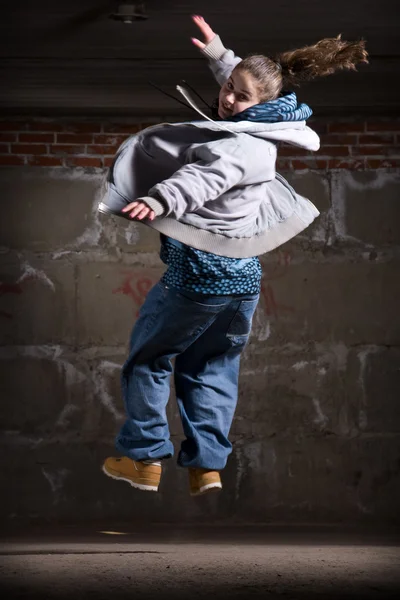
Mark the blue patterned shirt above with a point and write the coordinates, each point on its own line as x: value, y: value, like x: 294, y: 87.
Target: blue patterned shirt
x: 206, y: 273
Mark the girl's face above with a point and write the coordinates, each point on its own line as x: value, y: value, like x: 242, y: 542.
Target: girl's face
x: 237, y: 94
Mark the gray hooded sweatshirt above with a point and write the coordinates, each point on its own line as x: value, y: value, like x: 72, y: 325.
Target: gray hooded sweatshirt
x: 213, y: 185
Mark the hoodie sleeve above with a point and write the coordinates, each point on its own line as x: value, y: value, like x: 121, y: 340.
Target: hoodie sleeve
x: 221, y: 60
x: 210, y: 172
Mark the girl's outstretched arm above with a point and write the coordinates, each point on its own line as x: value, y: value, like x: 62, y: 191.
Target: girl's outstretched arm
x: 207, y: 33
x: 222, y: 60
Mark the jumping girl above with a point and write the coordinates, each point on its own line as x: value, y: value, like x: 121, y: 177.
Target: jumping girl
x: 210, y: 188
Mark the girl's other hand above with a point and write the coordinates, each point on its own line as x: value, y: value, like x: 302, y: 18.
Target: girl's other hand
x: 139, y: 211
x: 207, y: 32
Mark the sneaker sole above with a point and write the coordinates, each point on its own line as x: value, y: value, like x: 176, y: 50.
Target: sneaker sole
x: 139, y: 486
x: 211, y: 487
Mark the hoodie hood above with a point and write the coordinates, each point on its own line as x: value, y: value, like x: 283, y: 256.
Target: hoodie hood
x: 296, y: 133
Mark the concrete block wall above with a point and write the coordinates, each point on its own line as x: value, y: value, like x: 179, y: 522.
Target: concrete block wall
x: 317, y: 429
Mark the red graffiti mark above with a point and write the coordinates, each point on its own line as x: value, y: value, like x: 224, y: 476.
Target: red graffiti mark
x: 272, y: 271
x: 278, y: 268
x: 271, y: 306
x: 9, y: 288
x: 136, y: 287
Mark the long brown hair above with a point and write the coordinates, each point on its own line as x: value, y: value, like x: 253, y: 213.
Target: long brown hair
x: 297, y: 66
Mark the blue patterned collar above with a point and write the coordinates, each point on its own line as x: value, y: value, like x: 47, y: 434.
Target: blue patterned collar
x: 284, y: 108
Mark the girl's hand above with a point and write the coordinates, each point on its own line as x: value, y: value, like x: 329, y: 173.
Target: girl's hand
x: 139, y: 211
x: 208, y: 33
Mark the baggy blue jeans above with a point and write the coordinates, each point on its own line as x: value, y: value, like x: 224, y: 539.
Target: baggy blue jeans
x: 206, y: 335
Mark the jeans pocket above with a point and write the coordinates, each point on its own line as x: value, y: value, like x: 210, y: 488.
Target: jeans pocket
x: 240, y: 326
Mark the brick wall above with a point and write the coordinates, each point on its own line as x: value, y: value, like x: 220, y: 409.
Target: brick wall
x: 352, y: 145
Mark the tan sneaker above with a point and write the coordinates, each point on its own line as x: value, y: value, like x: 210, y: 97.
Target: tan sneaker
x: 140, y: 475
x: 202, y: 481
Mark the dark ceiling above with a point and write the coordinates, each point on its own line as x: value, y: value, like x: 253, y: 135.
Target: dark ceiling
x: 69, y: 57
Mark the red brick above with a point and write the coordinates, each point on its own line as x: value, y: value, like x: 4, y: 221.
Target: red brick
x: 347, y: 127
x: 44, y: 126
x: 383, y: 126
x: 12, y: 125
x: 382, y: 163
x: 8, y: 137
x: 36, y: 137
x: 108, y: 161
x: 74, y: 138
x: 66, y: 149
x: 321, y: 163
x: 338, y: 139
x: 368, y: 150
x: 4, y: 148
x: 102, y: 149
x: 7, y: 159
x: 28, y: 149
x: 288, y: 150
x: 319, y: 127
x: 124, y: 127
x: 83, y: 127
x: 109, y: 139
x: 84, y: 161
x: 45, y: 161
x: 351, y: 165
x: 376, y: 138
x: 313, y: 163
x: 300, y: 165
x: 334, y: 151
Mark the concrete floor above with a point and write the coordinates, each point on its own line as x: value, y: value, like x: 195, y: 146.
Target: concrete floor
x: 84, y: 562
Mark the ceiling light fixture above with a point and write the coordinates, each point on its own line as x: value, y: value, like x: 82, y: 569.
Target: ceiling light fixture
x: 128, y: 12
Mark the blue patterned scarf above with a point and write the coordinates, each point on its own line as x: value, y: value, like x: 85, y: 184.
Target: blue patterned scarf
x: 284, y: 108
